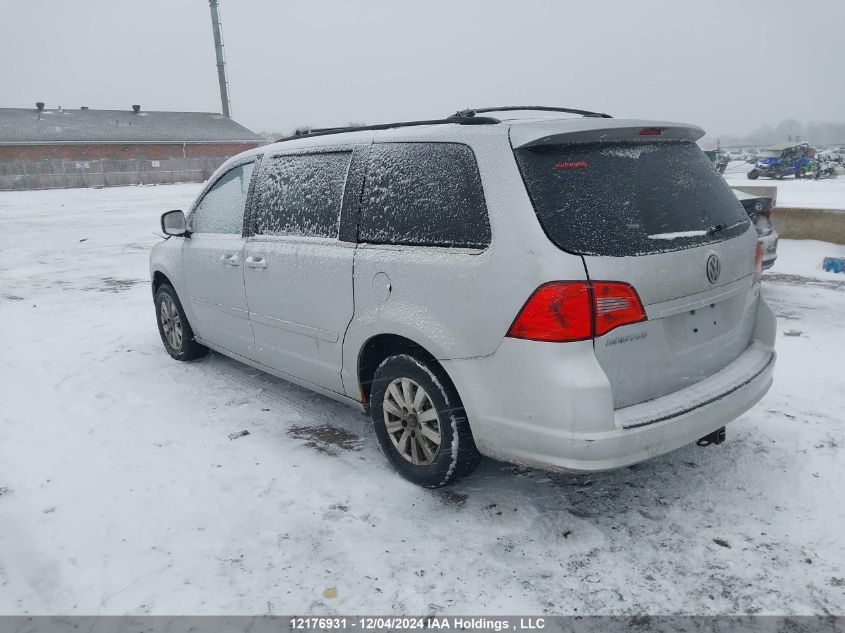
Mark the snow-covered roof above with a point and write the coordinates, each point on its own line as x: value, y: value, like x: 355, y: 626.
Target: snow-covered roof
x: 25, y: 126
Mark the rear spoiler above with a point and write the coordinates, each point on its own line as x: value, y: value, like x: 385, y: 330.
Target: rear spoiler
x: 594, y: 130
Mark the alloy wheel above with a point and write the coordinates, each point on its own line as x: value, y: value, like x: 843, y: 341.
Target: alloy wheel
x: 171, y: 324
x: 412, y: 422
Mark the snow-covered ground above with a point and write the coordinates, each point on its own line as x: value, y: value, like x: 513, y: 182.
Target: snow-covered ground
x: 121, y: 492
x: 827, y: 193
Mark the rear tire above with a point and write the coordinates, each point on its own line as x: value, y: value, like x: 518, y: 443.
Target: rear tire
x: 173, y: 326
x: 420, y: 422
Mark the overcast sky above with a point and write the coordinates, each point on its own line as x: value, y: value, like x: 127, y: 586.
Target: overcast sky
x: 728, y: 65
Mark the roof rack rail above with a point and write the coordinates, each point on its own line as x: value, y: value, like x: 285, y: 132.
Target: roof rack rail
x: 469, y: 113
x: 483, y: 120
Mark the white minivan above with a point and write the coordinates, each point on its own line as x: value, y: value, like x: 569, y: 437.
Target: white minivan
x: 576, y: 293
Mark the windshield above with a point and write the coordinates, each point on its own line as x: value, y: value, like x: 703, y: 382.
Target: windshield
x: 622, y: 199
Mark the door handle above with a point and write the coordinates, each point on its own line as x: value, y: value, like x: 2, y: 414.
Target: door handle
x: 231, y: 260
x: 256, y: 262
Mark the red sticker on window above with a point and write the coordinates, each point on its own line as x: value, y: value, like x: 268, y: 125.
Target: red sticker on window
x: 570, y: 163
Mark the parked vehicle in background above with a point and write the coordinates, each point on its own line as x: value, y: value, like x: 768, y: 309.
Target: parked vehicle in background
x: 719, y: 159
x: 821, y: 167
x: 759, y: 209
x: 832, y: 154
x: 779, y: 161
x: 483, y: 286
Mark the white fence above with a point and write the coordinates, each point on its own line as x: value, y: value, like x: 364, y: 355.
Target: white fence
x: 67, y: 174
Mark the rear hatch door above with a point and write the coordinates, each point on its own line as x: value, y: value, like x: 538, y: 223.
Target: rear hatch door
x: 650, y: 210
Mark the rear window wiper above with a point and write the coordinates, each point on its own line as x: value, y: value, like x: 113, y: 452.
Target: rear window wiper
x: 718, y: 228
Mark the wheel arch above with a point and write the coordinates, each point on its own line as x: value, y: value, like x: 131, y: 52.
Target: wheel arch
x: 159, y: 279
x: 165, y: 269
x: 381, y: 346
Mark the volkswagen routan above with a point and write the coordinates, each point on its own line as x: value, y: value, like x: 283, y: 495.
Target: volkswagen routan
x: 548, y: 287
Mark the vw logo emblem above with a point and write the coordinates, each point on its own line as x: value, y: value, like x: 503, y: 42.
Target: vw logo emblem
x: 714, y: 267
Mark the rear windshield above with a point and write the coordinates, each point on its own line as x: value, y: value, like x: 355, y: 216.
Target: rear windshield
x: 622, y: 199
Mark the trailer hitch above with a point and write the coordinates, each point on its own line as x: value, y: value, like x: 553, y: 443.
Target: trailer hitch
x: 716, y: 437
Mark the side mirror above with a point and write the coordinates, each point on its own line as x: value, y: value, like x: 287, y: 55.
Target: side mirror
x: 173, y: 223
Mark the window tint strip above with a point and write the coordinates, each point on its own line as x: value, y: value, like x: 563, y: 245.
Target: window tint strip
x: 350, y: 210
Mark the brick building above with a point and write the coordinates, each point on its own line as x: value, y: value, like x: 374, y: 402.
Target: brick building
x: 51, y: 149
x: 132, y: 134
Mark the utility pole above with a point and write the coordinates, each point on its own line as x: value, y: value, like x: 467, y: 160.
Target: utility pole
x: 221, y: 60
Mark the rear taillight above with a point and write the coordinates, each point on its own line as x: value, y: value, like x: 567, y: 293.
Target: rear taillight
x: 758, y: 263
x: 558, y: 311
x: 576, y: 310
x: 614, y: 304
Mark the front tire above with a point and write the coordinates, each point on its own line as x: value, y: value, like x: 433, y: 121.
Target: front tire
x: 754, y: 174
x: 420, y: 422
x: 173, y: 326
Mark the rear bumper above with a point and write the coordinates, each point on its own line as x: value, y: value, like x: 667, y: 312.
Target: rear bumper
x: 752, y: 367
x: 769, y: 242
x: 551, y: 406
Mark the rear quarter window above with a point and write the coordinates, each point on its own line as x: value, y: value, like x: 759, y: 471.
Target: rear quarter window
x: 424, y: 194
x: 622, y: 199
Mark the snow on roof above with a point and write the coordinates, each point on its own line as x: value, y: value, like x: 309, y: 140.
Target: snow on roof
x: 24, y: 126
